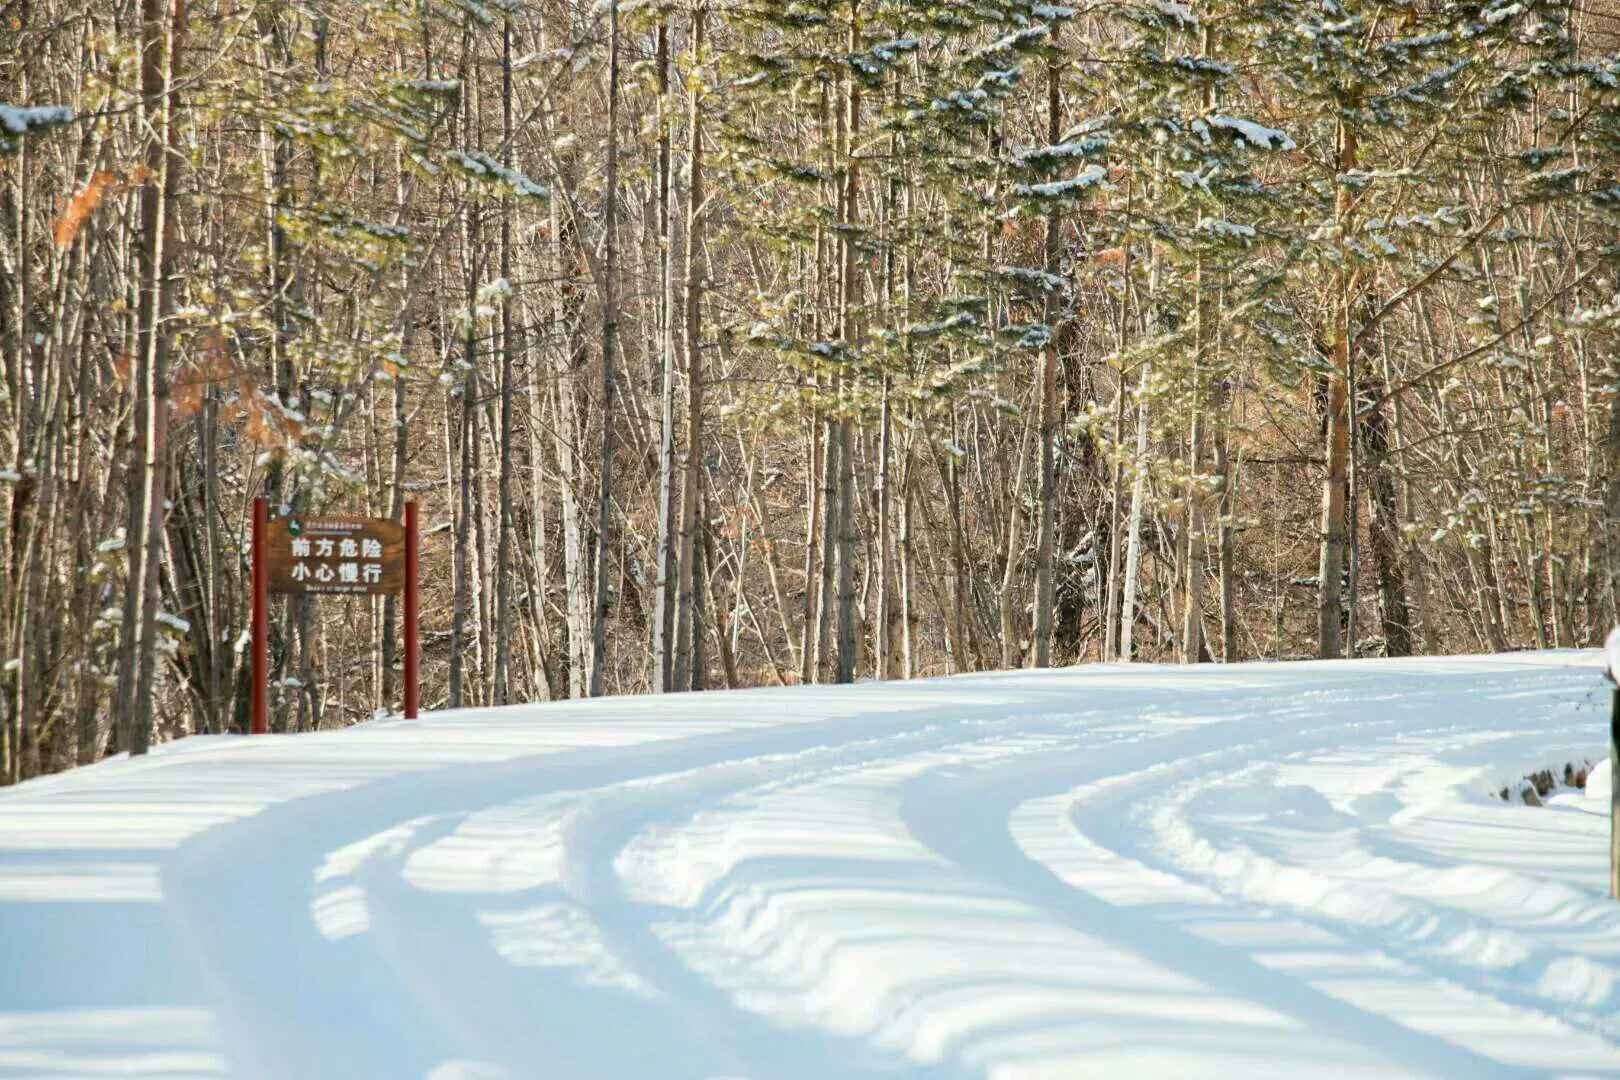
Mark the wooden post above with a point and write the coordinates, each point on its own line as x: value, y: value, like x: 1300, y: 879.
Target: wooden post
x: 1611, y: 668
x: 412, y: 607
x: 1614, y: 795
x: 261, y: 618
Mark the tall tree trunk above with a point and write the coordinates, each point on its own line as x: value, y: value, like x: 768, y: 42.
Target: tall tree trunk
x: 826, y: 599
x: 1206, y: 313
x: 687, y: 625
x: 1116, y: 486
x: 1384, y: 534
x: 482, y: 428
x: 848, y: 646
x: 1116, y: 507
x: 462, y: 569
x: 536, y: 554
x: 1611, y: 501
x: 665, y: 607
x: 808, y: 655
x: 850, y: 331
x: 162, y: 31
x: 568, y: 430
x: 1133, y: 535
x: 91, y: 732
x: 32, y: 598
x: 309, y: 702
x: 396, y: 508
x: 1010, y: 651
x: 884, y: 624
x: 610, y: 344
x: 1049, y: 398
x: 1422, y: 616
x: 1226, y: 551
x: 716, y: 600
x: 26, y: 519
x: 1192, y: 616
x: 16, y: 408
x: 908, y: 648
x: 503, y: 490
x: 1330, y: 607
x: 688, y: 666
x: 1196, y: 540
x: 698, y: 676
x: 961, y: 618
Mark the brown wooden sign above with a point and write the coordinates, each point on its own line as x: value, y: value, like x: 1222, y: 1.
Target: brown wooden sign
x: 326, y: 553
x: 334, y: 554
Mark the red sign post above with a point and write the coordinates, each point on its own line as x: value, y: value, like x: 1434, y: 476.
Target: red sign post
x: 413, y: 595
x: 332, y: 554
x: 261, y: 618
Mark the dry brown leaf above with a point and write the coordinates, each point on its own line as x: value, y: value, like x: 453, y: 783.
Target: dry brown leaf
x: 81, y: 206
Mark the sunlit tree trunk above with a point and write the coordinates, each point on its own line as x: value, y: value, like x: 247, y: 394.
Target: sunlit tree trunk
x: 162, y: 28
x: 1047, y: 497
x: 1330, y: 572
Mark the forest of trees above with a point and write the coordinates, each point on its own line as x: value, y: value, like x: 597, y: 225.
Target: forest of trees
x: 742, y: 342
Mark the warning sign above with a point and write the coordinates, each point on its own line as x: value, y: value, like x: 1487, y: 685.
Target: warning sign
x: 332, y: 554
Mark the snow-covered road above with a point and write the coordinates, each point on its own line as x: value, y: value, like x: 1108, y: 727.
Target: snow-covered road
x: 1223, y: 871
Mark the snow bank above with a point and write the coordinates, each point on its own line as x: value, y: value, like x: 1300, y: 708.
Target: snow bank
x: 1600, y: 782
x: 1248, y: 870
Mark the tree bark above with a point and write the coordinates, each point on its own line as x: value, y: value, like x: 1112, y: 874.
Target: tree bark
x: 162, y: 33
x: 462, y: 569
x: 688, y: 673
x: 1133, y: 536
x: 908, y: 647
x: 831, y: 446
x: 1197, y: 565
x: 1010, y: 646
x: 850, y: 331
x: 665, y: 606
x: 809, y: 611
x: 1330, y: 607
x: 883, y: 625
x: 610, y: 344
x: 1611, y: 501
x: 1226, y: 552
x: 503, y: 490
x: 1116, y: 507
x: 1046, y: 525
x: 1384, y: 536
x: 567, y: 433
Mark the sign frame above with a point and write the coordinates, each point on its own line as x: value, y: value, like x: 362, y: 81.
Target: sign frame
x: 409, y: 583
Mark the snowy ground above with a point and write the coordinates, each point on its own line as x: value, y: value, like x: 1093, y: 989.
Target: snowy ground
x: 1242, y: 871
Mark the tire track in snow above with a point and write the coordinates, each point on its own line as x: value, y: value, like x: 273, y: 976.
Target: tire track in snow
x: 238, y: 893
x: 860, y: 911
x: 700, y: 1030
x: 239, y: 886
x: 966, y: 819
x: 801, y: 964
x: 528, y: 1018
x: 608, y: 828
x: 1116, y: 871
x: 1372, y: 874
x: 1454, y: 923
x: 691, y: 1028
